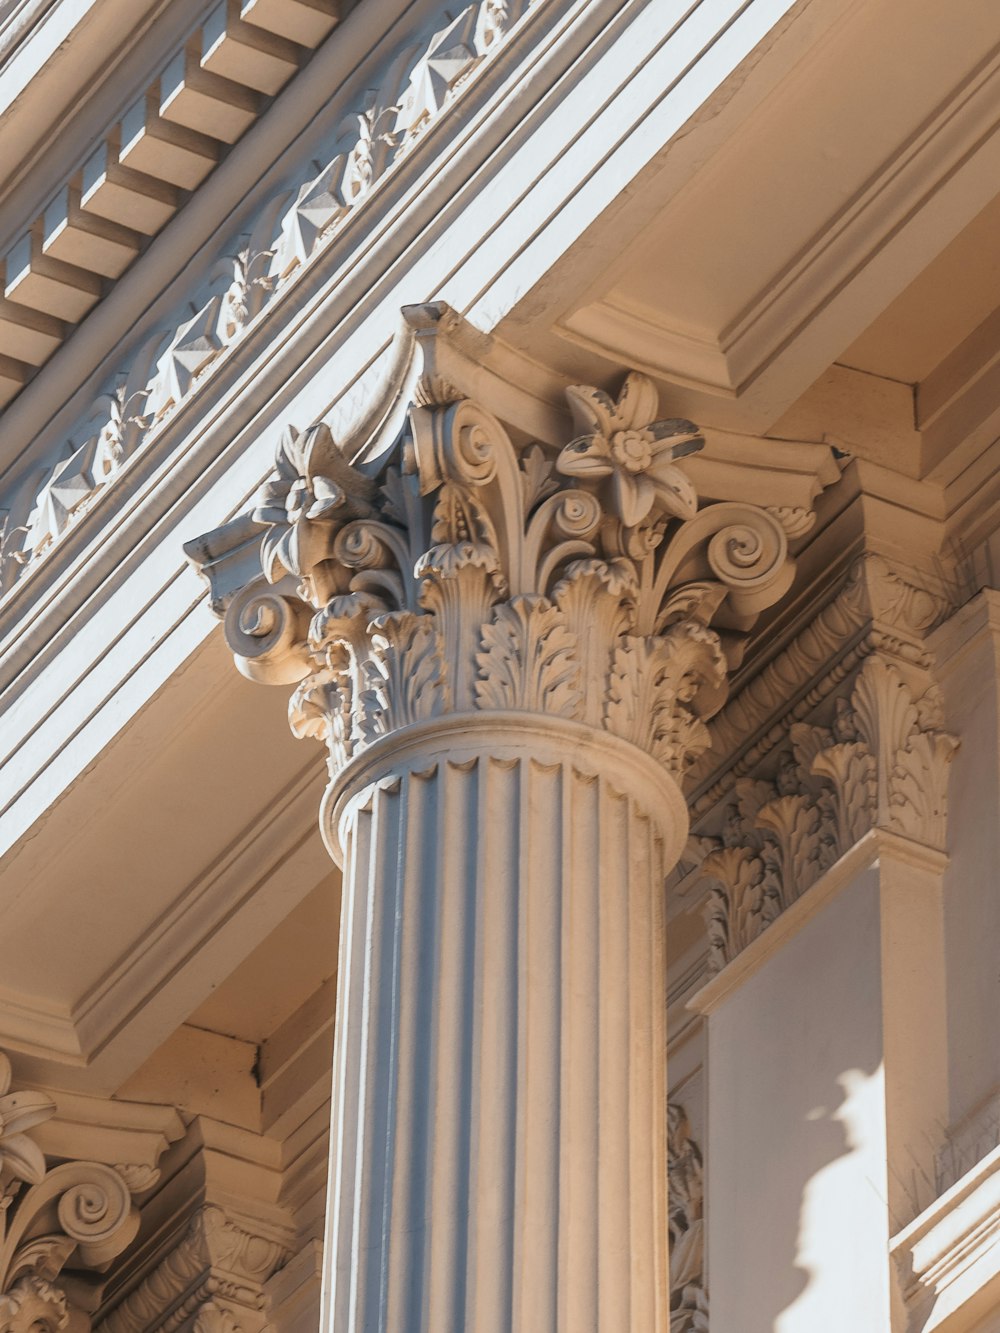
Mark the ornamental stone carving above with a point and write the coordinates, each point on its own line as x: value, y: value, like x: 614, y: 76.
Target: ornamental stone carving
x: 212, y: 1281
x: 461, y: 575
x: 881, y: 762
x: 72, y: 1215
x: 408, y: 93
x: 688, y: 1297
x: 510, y: 647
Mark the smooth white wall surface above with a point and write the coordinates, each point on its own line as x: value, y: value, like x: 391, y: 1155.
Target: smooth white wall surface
x: 796, y: 1154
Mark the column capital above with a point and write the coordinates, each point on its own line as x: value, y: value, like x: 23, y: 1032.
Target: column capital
x: 470, y: 569
x: 55, y: 1220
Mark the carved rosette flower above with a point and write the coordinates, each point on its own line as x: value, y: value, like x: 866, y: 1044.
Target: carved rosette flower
x: 315, y: 491
x: 629, y: 454
x: 459, y: 574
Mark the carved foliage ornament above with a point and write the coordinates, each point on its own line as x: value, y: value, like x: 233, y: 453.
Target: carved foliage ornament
x: 688, y: 1297
x: 211, y: 1282
x: 461, y: 575
x: 76, y: 1213
x: 882, y: 762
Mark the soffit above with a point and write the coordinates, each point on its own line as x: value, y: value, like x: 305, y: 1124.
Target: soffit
x: 172, y: 858
x: 281, y: 973
x: 938, y: 310
x: 829, y: 176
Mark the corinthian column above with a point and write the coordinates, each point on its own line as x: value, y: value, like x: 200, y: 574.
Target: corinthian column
x: 509, y: 654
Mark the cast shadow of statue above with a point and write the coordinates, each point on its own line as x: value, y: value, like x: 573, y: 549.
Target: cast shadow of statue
x: 820, y: 1247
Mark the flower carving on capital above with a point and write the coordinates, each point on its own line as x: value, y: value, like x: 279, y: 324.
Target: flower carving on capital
x: 313, y: 493
x: 461, y: 573
x: 21, y: 1159
x: 629, y: 454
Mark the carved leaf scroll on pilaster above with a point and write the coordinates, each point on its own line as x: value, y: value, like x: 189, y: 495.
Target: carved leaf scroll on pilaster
x: 212, y: 1280
x: 882, y: 762
x: 461, y: 574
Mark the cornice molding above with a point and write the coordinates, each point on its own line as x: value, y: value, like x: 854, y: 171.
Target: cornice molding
x: 208, y: 93
x: 412, y: 90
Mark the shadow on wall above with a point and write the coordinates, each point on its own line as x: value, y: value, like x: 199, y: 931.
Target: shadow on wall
x: 840, y: 1246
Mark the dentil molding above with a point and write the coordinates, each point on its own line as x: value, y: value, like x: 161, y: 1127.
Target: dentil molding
x: 407, y: 95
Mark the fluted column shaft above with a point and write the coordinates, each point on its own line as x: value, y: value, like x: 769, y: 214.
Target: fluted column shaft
x: 498, y: 1156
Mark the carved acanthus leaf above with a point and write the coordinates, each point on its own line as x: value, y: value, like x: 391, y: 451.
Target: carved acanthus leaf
x: 688, y: 1297
x: 879, y: 608
x: 412, y: 674
x: 529, y: 659
x: 33, y: 1305
x: 734, y: 909
x: 883, y: 762
x: 213, y: 1279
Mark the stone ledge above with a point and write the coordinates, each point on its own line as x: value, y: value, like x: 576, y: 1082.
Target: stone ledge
x: 948, y: 1259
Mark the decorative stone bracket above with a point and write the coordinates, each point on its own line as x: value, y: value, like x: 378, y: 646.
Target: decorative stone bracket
x: 211, y: 1282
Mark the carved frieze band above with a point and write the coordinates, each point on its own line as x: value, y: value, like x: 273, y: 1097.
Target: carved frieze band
x: 410, y: 93
x: 461, y: 574
x: 67, y: 1216
x: 688, y: 1295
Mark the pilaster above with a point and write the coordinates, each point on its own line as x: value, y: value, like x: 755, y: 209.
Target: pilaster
x: 820, y: 854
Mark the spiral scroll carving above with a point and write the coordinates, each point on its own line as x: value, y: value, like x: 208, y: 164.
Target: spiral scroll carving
x: 265, y: 631
x: 95, y: 1212
x: 72, y: 1215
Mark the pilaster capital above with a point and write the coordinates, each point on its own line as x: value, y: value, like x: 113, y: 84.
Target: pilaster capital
x: 467, y: 569
x: 880, y: 760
